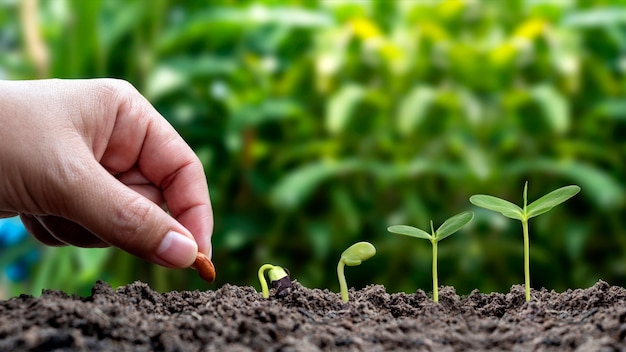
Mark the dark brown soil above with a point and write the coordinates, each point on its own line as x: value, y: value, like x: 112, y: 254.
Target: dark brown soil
x: 233, y: 318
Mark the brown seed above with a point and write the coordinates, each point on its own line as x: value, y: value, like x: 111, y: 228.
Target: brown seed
x: 205, y: 267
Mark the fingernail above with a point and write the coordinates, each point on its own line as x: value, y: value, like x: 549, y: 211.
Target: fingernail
x: 177, y: 250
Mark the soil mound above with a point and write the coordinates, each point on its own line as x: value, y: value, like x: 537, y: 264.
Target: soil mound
x: 234, y: 318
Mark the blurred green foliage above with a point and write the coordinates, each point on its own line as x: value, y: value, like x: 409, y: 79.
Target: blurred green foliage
x: 320, y: 123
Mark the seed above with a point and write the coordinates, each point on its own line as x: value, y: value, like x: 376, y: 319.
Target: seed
x: 205, y: 267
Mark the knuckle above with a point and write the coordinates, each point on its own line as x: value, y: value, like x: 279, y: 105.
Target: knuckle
x: 133, y: 219
x: 124, y: 97
x: 114, y: 92
x: 114, y: 84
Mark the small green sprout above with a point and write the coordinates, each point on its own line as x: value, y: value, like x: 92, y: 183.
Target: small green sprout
x: 352, y: 256
x: 279, y: 278
x: 448, y: 227
x: 538, y: 207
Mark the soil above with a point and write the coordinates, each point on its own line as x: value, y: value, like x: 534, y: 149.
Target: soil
x: 235, y: 318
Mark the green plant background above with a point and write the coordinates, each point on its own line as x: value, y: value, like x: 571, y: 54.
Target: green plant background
x: 320, y: 123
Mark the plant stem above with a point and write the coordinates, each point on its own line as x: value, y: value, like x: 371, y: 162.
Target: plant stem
x: 526, y: 259
x: 435, y: 279
x: 343, y: 286
x: 264, y: 289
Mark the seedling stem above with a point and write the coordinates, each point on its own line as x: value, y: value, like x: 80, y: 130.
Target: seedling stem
x: 526, y: 259
x: 343, y: 285
x: 434, y: 242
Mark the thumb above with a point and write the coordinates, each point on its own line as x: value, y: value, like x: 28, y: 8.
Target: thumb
x: 124, y: 218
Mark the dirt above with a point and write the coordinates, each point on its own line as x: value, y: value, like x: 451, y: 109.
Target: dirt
x: 235, y: 318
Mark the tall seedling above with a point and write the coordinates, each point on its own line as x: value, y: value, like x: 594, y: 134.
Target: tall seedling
x: 538, y: 207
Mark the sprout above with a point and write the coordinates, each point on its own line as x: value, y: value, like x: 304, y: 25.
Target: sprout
x: 449, y: 227
x: 279, y: 278
x: 538, y: 207
x: 352, y: 256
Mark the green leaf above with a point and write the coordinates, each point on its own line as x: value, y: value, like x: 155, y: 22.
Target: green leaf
x: 257, y: 114
x: 409, y: 231
x: 594, y: 18
x: 176, y: 73
x: 614, y: 109
x: 295, y: 188
x: 276, y: 273
x: 502, y: 206
x: 525, y: 196
x: 341, y: 107
x: 413, y: 108
x: 555, y: 107
x: 453, y: 225
x: 550, y: 200
x: 600, y: 186
x: 357, y: 253
x: 227, y: 22
x: 120, y: 21
x: 477, y: 161
x: 91, y: 262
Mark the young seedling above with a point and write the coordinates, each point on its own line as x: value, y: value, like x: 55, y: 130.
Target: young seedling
x: 448, y: 227
x: 538, y: 207
x: 352, y: 256
x: 279, y: 278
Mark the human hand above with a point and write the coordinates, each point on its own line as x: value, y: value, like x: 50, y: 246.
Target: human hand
x: 90, y: 163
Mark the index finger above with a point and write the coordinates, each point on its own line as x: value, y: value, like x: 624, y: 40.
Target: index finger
x: 168, y: 162
x: 142, y: 137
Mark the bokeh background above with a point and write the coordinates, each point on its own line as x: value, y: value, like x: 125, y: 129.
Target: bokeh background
x: 320, y: 123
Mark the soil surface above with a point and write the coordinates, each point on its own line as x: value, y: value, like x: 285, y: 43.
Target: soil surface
x: 234, y: 318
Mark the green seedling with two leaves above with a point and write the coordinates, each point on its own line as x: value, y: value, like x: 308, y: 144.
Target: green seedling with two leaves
x: 538, y: 207
x: 448, y: 228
